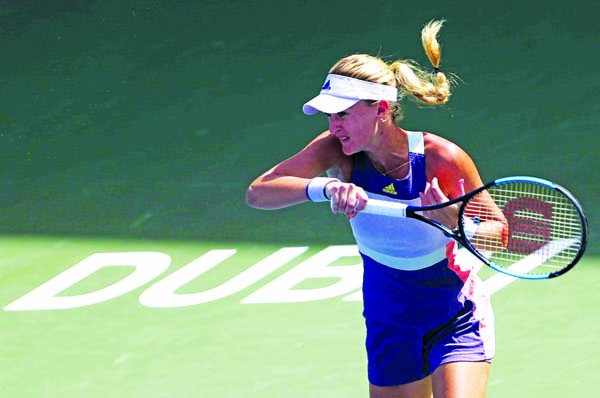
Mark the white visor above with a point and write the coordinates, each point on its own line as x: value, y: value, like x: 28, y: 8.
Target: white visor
x: 340, y: 93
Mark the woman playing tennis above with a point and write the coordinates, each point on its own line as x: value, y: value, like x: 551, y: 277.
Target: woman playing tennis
x: 429, y: 325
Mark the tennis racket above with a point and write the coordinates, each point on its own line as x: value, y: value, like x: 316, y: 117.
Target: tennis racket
x: 524, y: 227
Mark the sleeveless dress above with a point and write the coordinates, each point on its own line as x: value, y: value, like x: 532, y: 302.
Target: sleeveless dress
x: 422, y: 307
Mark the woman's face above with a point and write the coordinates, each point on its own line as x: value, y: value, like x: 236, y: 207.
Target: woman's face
x: 355, y: 127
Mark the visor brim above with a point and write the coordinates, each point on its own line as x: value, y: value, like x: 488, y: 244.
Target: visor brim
x: 328, y: 104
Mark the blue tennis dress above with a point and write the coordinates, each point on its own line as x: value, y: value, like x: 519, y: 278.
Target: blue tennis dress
x: 422, y: 308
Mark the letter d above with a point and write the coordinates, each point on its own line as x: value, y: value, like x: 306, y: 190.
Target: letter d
x: 148, y: 265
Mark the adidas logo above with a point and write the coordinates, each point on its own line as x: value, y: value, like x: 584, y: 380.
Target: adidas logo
x: 327, y: 85
x: 390, y: 189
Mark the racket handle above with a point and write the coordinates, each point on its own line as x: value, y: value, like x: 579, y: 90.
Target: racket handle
x: 385, y: 208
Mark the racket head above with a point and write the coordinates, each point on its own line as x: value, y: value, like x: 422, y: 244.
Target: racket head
x: 524, y: 227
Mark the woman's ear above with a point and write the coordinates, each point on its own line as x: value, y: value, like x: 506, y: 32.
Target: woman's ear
x: 383, y: 107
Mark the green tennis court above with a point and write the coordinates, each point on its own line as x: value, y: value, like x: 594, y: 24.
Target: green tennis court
x: 130, y: 265
x: 226, y: 340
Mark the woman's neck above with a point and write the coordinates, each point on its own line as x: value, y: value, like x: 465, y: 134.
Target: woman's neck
x: 389, y: 153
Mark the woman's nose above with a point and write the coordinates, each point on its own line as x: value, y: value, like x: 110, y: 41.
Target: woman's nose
x: 334, y: 125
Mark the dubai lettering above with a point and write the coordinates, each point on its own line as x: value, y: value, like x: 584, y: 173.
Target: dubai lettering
x: 149, y: 266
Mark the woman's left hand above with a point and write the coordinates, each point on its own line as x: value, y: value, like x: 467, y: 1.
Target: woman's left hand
x: 433, y: 195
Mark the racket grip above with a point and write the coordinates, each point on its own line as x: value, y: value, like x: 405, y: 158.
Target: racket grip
x: 385, y: 208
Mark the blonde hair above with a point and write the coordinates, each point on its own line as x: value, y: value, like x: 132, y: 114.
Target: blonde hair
x: 429, y: 87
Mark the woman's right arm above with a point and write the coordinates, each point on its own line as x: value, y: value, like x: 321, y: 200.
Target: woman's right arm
x: 285, y: 184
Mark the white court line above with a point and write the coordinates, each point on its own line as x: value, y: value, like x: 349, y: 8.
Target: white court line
x: 498, y: 281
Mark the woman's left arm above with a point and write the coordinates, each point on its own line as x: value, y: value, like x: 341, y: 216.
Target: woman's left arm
x: 450, y: 173
x: 449, y: 163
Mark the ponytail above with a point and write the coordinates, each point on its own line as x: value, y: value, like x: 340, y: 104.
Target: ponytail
x: 428, y: 87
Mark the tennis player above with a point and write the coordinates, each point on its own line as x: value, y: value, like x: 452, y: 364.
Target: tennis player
x: 429, y: 324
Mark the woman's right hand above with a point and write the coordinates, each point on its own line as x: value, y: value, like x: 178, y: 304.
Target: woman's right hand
x: 346, y: 198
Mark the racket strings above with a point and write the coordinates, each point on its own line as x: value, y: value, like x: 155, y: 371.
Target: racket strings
x: 522, y: 220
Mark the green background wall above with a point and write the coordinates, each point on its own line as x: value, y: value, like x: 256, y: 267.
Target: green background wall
x: 149, y: 118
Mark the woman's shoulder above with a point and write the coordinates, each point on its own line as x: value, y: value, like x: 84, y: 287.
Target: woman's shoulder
x: 449, y: 162
x: 327, y: 145
x: 438, y: 148
x: 327, y: 148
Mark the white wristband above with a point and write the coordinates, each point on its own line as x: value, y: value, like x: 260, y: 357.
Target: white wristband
x: 315, y: 189
x: 470, y: 226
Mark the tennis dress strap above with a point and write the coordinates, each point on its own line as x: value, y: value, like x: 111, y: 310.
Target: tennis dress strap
x: 416, y: 142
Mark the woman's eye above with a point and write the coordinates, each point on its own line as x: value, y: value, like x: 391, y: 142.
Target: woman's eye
x: 341, y: 115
